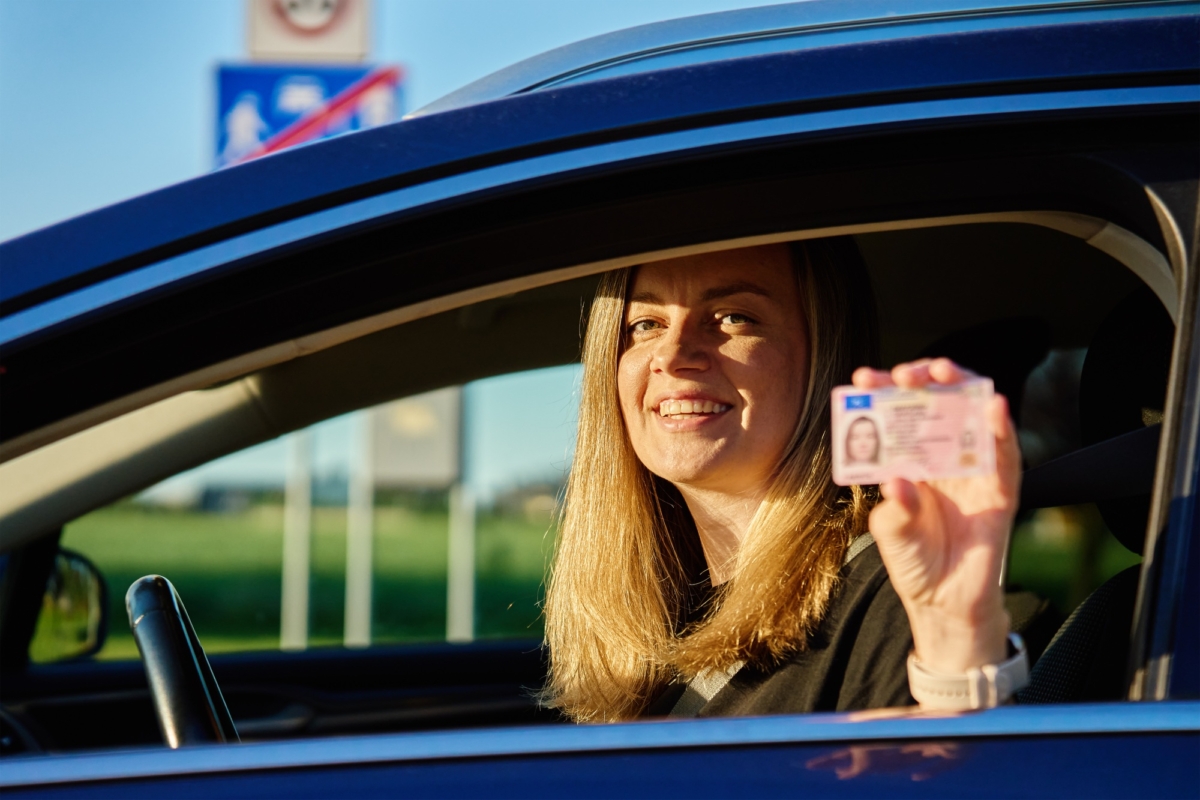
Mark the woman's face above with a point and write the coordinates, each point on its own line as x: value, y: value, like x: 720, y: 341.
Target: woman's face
x: 862, y: 441
x: 715, y: 368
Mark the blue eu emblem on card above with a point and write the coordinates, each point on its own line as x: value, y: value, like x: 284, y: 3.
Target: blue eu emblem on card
x: 858, y: 402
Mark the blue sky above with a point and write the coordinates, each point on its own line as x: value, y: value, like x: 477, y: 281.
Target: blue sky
x: 101, y: 100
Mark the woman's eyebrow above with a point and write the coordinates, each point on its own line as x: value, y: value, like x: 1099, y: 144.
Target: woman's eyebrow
x: 741, y: 287
x: 715, y: 293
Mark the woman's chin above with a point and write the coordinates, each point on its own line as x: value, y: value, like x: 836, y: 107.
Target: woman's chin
x: 699, y: 470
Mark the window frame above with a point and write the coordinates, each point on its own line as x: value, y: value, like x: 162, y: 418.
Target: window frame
x: 1177, y: 465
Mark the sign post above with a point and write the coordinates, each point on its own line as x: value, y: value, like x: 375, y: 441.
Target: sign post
x: 297, y: 541
x: 360, y: 538
x: 310, y: 83
x: 419, y: 445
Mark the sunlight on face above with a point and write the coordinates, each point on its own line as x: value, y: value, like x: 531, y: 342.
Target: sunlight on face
x: 713, y: 376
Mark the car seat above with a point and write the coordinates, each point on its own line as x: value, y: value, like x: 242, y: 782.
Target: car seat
x: 1121, y: 398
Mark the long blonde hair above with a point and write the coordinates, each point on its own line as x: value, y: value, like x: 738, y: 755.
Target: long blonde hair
x: 621, y: 597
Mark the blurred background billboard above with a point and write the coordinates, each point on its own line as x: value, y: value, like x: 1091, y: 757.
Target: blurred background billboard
x: 416, y: 441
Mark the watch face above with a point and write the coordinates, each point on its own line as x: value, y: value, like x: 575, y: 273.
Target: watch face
x: 309, y: 16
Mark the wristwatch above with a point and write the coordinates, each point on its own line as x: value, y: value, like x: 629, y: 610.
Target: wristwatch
x: 980, y: 687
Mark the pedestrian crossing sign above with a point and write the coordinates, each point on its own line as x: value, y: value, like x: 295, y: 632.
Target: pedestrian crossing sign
x: 264, y: 108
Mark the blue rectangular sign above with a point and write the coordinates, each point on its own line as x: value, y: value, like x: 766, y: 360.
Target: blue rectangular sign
x: 262, y: 108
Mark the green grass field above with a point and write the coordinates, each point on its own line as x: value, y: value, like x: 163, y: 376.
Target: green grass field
x: 227, y: 570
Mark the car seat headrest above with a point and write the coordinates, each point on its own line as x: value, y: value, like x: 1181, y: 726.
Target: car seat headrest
x: 1123, y: 389
x: 1005, y: 350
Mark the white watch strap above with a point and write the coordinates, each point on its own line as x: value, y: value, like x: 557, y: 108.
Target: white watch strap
x: 981, y: 687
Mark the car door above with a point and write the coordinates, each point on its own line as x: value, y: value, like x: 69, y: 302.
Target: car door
x: 298, y: 323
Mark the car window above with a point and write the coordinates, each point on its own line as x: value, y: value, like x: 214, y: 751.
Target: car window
x: 490, y: 457
x: 464, y: 481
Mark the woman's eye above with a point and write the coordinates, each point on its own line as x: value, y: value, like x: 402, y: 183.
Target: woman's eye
x: 735, y: 319
x: 643, y: 325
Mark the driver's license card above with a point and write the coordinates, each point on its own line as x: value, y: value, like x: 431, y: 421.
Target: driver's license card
x: 918, y: 434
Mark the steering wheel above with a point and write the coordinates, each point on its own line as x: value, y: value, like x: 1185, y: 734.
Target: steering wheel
x: 187, y: 699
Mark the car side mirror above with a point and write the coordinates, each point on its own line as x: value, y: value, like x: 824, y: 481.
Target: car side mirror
x: 73, y: 622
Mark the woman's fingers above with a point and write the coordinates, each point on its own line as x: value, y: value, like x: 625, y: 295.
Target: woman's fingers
x: 943, y: 370
x: 922, y: 372
x: 867, y: 378
x: 912, y: 374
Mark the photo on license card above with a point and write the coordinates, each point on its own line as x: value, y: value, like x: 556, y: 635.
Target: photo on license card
x: 919, y: 434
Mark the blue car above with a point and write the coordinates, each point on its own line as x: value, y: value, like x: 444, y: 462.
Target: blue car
x: 1023, y: 181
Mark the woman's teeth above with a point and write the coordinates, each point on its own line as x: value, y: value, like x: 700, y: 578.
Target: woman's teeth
x: 689, y: 408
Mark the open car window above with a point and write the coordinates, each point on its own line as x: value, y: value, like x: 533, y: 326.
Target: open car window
x: 464, y: 476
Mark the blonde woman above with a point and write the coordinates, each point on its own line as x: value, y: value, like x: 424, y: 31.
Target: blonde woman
x: 707, y: 565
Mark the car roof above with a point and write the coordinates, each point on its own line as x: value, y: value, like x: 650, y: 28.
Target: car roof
x: 1107, y: 40
x: 731, y: 34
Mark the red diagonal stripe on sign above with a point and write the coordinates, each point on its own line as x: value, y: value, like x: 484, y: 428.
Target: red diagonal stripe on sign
x: 340, y: 105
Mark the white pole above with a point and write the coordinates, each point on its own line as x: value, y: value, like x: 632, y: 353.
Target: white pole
x: 360, y: 517
x: 460, y: 584
x: 297, y: 539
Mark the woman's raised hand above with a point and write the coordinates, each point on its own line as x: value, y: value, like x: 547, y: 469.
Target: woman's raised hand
x: 944, y: 541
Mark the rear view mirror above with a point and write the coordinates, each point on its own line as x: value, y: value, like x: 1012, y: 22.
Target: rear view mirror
x: 74, y: 618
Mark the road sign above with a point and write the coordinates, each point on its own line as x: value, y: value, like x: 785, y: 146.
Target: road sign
x: 263, y: 108
x: 308, y: 30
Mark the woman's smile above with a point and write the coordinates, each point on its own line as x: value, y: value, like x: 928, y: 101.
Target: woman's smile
x: 680, y: 409
x: 688, y: 411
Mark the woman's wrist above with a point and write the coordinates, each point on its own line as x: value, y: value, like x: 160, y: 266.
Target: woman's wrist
x: 979, y: 687
x: 951, y: 645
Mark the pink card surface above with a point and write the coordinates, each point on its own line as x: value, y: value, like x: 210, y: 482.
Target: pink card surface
x: 918, y: 434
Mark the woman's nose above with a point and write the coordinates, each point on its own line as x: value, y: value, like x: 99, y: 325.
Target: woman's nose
x: 680, y: 350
